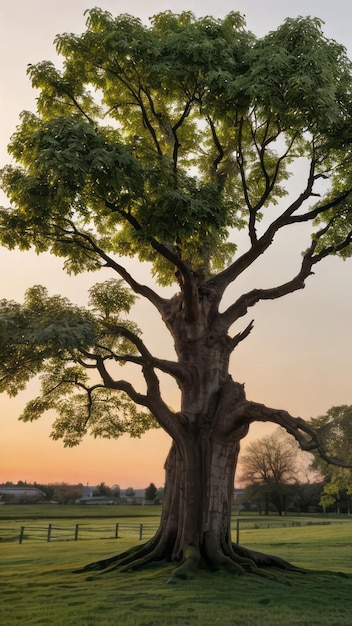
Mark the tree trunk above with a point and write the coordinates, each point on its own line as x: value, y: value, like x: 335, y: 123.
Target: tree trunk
x: 204, y: 474
x: 195, y: 525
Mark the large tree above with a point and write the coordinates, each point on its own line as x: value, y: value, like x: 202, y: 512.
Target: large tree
x: 168, y: 143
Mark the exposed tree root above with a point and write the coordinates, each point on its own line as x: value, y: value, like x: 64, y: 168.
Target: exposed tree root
x: 132, y: 559
x: 260, y: 559
x: 234, y: 559
x: 188, y: 566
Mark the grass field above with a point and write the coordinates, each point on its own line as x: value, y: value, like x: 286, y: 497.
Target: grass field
x: 37, y: 586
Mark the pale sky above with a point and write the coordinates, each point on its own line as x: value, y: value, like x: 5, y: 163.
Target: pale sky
x: 298, y: 356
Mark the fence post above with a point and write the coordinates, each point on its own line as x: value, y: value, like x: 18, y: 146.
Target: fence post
x: 49, y: 532
x: 238, y: 531
x: 141, y: 531
x: 21, y: 534
x: 76, y: 532
x: 116, y: 531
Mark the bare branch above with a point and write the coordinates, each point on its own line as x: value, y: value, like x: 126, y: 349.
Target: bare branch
x: 243, y: 303
x: 241, y: 336
x: 164, y: 365
x: 184, y: 273
x: 138, y: 288
x: 247, y: 300
x: 311, y: 215
x: 152, y: 400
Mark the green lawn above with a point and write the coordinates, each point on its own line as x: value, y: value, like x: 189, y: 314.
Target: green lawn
x: 37, y: 586
x: 74, y: 511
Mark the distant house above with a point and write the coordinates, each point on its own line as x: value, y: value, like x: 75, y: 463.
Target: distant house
x: 136, y: 498
x: 89, y: 498
x: 87, y: 492
x: 237, y: 496
x: 21, y: 494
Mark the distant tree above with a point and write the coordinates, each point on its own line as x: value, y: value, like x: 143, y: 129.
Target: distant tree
x: 48, y: 489
x: 335, y: 427
x: 172, y: 143
x: 130, y: 492
x: 271, y: 497
x: 150, y: 492
x: 159, y: 496
x: 307, y: 497
x: 269, y: 469
x: 66, y: 494
x: 102, y: 490
x: 116, y: 491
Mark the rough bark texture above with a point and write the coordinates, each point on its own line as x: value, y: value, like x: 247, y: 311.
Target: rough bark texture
x: 195, y: 526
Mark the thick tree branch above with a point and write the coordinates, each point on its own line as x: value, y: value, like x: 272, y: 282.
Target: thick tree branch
x: 311, y: 215
x: 152, y: 400
x: 120, y: 385
x: 184, y: 273
x: 260, y: 245
x: 143, y: 290
x: 247, y: 300
x: 268, y: 186
x: 164, y: 365
x: 306, y: 436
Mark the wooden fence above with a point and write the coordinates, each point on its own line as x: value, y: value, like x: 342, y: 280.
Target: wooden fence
x: 242, y: 523
x: 75, y: 532
x: 115, y: 530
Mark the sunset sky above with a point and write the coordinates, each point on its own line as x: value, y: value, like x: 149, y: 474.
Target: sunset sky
x: 298, y: 357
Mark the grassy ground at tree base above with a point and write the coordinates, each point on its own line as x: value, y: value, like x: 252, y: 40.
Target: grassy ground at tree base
x: 37, y: 586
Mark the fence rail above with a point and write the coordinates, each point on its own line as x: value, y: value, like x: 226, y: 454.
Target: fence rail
x: 75, y: 532
x: 116, y: 530
x: 242, y: 523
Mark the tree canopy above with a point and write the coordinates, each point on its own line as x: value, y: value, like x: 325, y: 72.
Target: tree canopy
x: 193, y: 114
x: 163, y: 142
x: 169, y: 142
